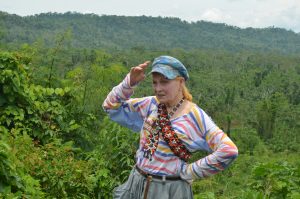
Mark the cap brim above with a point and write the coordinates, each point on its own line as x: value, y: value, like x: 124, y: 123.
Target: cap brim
x: 166, y: 71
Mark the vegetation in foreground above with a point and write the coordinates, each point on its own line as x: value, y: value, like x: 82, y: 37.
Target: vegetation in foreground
x: 56, y: 142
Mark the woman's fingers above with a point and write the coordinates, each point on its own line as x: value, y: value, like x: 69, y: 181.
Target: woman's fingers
x: 141, y: 67
x: 137, y: 73
x: 137, y: 70
x: 144, y: 65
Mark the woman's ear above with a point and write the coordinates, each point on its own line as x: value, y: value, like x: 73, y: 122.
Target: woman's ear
x: 182, y: 81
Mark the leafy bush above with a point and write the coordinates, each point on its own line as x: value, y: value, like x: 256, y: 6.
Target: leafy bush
x: 40, y: 162
x: 59, y: 173
x: 15, y: 181
x: 113, y: 158
x: 276, y: 180
x: 31, y: 109
x: 246, y: 139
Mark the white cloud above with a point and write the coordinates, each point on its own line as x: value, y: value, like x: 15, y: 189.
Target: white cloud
x: 215, y: 15
x: 256, y: 13
x: 290, y: 18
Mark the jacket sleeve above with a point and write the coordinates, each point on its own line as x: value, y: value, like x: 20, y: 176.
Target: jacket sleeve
x: 128, y: 112
x: 224, y: 151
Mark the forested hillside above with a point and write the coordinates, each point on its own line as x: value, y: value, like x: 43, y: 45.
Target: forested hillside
x: 56, y: 70
x: 152, y: 33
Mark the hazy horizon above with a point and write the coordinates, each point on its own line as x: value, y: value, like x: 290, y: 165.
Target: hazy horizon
x: 240, y: 13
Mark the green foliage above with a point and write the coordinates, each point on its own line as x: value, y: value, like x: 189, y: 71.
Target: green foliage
x: 252, y: 194
x: 27, y: 108
x: 91, y: 83
x: 56, y: 141
x: 48, y: 166
x: 275, y: 116
x: 15, y: 181
x: 118, y: 145
x: 266, y: 114
x: 253, y: 177
x: 246, y: 140
x: 59, y: 173
x: 208, y: 195
x: 143, y: 33
x: 276, y: 180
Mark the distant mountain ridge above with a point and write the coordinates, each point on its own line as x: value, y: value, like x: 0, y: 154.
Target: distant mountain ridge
x: 150, y: 33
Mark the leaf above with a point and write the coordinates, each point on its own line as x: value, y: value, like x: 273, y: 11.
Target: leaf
x: 50, y: 91
x: 59, y: 91
x: 2, y: 100
x: 67, y: 89
x: 6, y: 89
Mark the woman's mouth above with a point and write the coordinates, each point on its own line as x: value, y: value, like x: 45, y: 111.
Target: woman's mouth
x: 160, y: 96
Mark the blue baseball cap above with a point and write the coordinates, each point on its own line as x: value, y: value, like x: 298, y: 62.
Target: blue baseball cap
x: 170, y: 67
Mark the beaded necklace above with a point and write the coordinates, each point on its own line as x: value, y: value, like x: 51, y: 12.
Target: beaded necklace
x: 176, y: 107
x: 163, y: 125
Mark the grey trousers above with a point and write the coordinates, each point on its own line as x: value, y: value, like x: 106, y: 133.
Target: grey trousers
x: 134, y: 188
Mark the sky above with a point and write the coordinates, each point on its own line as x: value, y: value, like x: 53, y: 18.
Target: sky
x: 240, y: 13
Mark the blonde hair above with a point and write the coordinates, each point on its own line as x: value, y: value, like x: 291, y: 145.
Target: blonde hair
x: 185, y: 91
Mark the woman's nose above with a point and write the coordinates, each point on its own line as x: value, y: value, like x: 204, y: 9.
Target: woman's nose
x: 157, y: 88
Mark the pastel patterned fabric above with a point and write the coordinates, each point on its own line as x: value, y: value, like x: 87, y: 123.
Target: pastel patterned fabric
x: 170, y: 67
x: 196, y: 130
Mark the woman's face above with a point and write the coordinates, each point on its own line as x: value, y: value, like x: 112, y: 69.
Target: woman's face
x: 167, y: 91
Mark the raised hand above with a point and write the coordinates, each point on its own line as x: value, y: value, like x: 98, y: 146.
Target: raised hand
x: 137, y: 73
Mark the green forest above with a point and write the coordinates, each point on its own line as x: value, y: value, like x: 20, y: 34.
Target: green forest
x: 57, y: 69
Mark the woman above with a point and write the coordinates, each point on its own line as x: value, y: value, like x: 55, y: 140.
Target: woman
x: 171, y: 127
